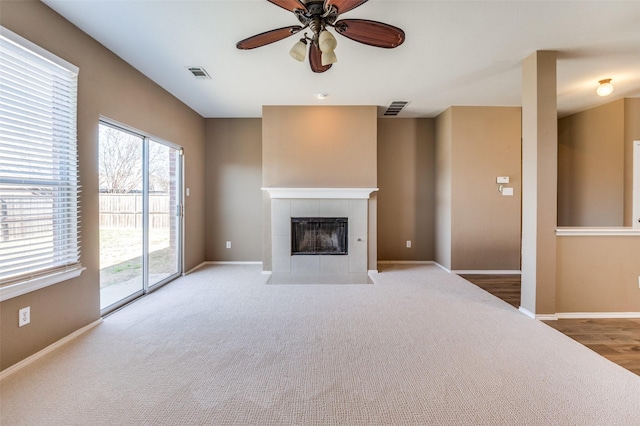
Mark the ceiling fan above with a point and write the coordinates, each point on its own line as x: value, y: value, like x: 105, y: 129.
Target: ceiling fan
x: 318, y: 15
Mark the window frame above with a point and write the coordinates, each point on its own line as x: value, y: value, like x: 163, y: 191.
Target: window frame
x: 40, y: 278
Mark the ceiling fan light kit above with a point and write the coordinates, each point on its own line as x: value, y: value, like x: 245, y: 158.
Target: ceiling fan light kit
x: 317, y: 15
x: 299, y: 50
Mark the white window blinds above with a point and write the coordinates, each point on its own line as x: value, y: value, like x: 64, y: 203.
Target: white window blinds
x: 38, y: 162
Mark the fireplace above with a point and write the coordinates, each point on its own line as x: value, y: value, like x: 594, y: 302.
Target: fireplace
x: 319, y: 236
x: 339, y: 241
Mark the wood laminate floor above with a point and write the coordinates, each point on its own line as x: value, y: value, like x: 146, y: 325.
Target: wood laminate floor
x: 618, y: 340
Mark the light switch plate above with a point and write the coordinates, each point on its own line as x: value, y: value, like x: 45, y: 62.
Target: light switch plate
x: 502, y: 179
x: 507, y: 191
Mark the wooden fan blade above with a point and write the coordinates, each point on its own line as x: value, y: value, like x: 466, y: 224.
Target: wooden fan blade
x: 315, y: 59
x: 290, y: 5
x: 343, y: 5
x: 268, y: 37
x: 372, y: 33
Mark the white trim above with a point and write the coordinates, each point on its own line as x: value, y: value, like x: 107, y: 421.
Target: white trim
x: 487, y: 271
x: 195, y: 268
x: 547, y: 317
x: 406, y: 262
x: 588, y: 232
x: 372, y: 271
x: 597, y: 315
x: 442, y: 267
x: 21, y: 41
x: 333, y: 193
x: 543, y: 317
x: 18, y: 289
x: 221, y: 262
x: 19, y: 365
x: 267, y: 273
x: 527, y: 312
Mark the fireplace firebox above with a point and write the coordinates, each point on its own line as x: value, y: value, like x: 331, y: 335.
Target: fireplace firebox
x: 319, y: 235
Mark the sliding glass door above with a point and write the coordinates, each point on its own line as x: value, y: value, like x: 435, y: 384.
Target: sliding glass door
x: 164, y: 214
x: 140, y: 214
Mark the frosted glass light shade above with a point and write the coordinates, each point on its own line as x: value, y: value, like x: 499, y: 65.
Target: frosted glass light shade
x: 605, y: 88
x: 327, y: 42
x: 299, y: 51
x: 328, y: 58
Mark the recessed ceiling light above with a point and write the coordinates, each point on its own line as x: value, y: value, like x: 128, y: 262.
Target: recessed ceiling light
x: 321, y: 95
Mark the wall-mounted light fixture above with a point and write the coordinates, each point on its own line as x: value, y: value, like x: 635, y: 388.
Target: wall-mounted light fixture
x: 605, y: 88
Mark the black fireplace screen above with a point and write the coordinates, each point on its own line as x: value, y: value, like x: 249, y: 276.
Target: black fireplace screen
x: 319, y: 235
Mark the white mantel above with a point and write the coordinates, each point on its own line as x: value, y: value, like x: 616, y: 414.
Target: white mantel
x: 324, y: 193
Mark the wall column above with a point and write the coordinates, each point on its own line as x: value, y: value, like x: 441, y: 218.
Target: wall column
x: 539, y: 184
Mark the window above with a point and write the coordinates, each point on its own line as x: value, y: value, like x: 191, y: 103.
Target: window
x: 38, y: 168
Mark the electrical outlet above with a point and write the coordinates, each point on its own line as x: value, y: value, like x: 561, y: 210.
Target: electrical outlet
x: 24, y: 316
x: 638, y: 282
x: 408, y: 243
x: 228, y: 244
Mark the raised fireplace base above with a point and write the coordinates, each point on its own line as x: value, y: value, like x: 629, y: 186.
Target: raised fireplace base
x: 353, y: 278
x: 350, y: 203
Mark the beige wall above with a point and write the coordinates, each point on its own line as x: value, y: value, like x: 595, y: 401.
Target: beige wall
x: 319, y: 147
x: 591, y: 171
x: 598, y: 274
x: 111, y: 88
x: 406, y: 178
x: 444, y: 177
x: 233, y: 178
x: 631, y: 133
x: 474, y: 146
x: 485, y: 224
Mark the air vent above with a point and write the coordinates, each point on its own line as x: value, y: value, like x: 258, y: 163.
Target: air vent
x: 395, y: 107
x: 199, y: 72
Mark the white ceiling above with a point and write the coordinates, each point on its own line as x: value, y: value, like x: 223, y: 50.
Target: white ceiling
x: 455, y: 53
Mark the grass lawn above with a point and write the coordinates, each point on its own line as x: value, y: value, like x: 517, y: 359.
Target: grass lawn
x: 121, y: 255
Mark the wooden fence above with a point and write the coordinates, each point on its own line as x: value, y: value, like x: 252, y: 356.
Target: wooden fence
x: 125, y: 211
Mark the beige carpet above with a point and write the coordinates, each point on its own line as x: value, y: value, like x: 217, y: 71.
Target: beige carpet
x: 419, y: 347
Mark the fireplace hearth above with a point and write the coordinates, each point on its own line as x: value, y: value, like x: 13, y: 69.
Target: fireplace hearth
x: 319, y: 236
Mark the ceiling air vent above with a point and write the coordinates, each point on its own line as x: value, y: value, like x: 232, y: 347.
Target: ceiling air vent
x: 395, y: 107
x: 199, y: 72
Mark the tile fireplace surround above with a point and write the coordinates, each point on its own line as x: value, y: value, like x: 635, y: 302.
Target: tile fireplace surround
x: 351, y: 203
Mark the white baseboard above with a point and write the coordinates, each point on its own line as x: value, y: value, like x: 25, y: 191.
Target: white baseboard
x: 221, y: 262
x: 19, y: 365
x: 547, y: 317
x: 195, y: 268
x: 405, y: 262
x: 580, y: 315
x: 542, y: 317
x: 442, y: 267
x: 597, y: 315
x: 487, y: 272
x: 527, y: 312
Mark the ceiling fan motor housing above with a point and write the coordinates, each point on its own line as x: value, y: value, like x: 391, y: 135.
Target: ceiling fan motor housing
x: 316, y: 17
